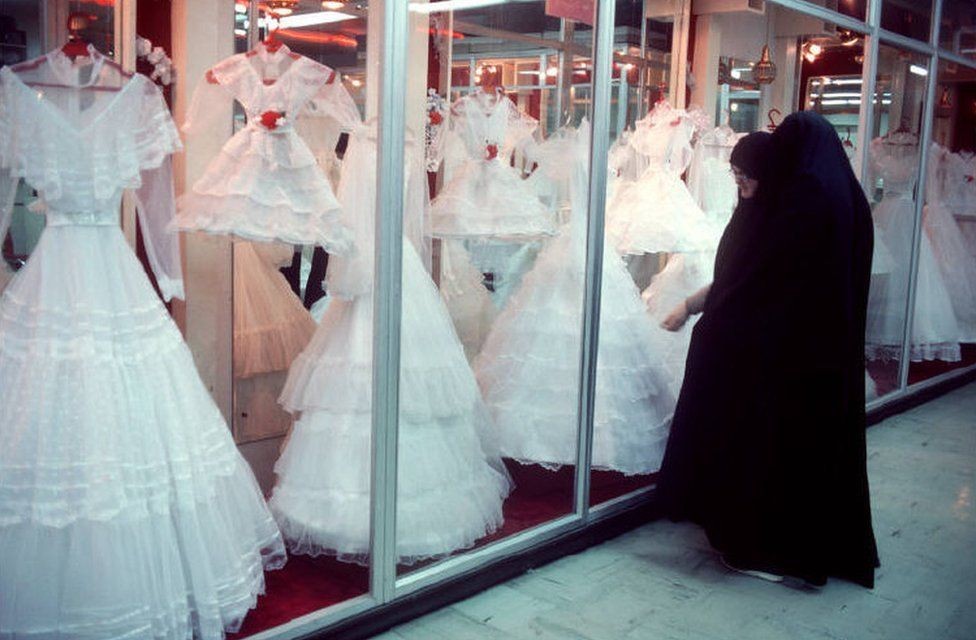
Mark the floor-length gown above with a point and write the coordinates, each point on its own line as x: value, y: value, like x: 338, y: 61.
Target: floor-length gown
x: 126, y: 510
x: 528, y: 368
x: 935, y: 332
x: 450, y: 481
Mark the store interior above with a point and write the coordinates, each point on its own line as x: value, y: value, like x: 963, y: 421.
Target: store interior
x: 497, y: 120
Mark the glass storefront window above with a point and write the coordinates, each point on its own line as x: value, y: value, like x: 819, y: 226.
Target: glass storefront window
x: 490, y: 359
x: 957, y: 32
x: 947, y: 257
x: 912, y: 19
x: 892, y: 187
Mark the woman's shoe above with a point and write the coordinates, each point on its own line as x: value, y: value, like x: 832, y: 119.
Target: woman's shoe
x: 755, y: 573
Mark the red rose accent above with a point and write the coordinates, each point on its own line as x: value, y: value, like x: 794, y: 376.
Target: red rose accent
x: 269, y: 119
x: 491, y: 151
x: 436, y: 117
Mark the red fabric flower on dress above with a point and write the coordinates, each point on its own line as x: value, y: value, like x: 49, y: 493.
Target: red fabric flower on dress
x: 491, y: 151
x: 436, y: 117
x: 271, y: 120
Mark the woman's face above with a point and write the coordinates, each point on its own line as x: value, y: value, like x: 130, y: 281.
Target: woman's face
x: 747, y: 186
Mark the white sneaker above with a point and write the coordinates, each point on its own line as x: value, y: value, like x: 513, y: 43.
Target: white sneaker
x: 755, y: 573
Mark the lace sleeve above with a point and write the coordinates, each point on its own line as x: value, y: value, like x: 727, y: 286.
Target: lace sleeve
x: 333, y: 99
x: 155, y: 205
x: 155, y: 199
x: 211, y: 102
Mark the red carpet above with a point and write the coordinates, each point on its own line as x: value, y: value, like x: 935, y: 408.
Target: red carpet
x: 306, y: 584
x: 885, y: 374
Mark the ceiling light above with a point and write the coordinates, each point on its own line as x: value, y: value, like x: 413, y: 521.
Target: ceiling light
x: 332, y: 5
x: 310, y: 19
x: 451, y: 5
x: 282, y: 7
x: 917, y: 70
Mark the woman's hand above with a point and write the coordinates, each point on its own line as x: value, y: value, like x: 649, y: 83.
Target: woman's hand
x: 677, y: 318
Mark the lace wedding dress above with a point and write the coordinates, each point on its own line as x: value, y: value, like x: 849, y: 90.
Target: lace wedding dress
x: 126, y: 510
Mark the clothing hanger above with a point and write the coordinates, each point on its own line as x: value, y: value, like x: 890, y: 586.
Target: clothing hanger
x: 847, y: 141
x: 769, y: 116
x: 271, y: 44
x: 75, y: 47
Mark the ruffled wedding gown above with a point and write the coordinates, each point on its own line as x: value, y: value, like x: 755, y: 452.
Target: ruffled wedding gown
x: 528, y: 368
x: 266, y: 184
x: 451, y: 484
x: 485, y: 197
x: 956, y: 264
x: 656, y: 213
x: 935, y: 332
x: 126, y: 510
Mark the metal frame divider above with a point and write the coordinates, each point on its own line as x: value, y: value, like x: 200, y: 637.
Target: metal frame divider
x: 603, y: 33
x: 387, y: 297
x: 924, y: 140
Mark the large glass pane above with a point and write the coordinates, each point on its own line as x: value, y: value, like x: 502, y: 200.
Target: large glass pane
x: 302, y: 338
x: 892, y: 190
x: 496, y: 108
x: 671, y: 194
x: 947, y: 255
x: 957, y: 32
x: 853, y: 8
x: 912, y: 19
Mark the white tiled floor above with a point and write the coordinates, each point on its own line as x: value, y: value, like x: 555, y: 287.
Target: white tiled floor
x: 661, y: 582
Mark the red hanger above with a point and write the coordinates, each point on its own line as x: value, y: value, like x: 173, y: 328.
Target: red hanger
x: 76, y: 45
x: 769, y: 115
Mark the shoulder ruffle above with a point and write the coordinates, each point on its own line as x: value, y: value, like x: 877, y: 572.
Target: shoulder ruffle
x: 133, y: 133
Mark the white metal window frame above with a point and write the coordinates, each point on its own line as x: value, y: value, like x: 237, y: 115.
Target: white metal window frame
x: 385, y: 585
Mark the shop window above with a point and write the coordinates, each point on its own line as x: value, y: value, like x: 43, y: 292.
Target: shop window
x: 748, y: 70
x: 892, y: 188
x: 957, y: 32
x: 488, y: 424
x: 912, y: 19
x: 302, y: 336
x: 947, y: 257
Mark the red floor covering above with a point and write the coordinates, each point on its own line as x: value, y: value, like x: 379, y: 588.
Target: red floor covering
x: 307, y: 584
x: 885, y: 374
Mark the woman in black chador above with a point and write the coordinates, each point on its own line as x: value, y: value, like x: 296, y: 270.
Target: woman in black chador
x: 767, y: 448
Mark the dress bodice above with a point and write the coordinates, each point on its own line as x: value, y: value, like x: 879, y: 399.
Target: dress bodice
x: 663, y: 137
x: 896, y: 164
x: 482, y: 119
x: 80, y: 133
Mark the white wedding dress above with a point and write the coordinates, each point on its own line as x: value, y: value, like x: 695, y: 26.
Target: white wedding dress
x: 451, y: 482
x: 656, y: 213
x: 956, y: 264
x: 126, y: 510
x: 485, y: 196
x: 528, y: 368
x: 266, y: 183
x: 935, y: 332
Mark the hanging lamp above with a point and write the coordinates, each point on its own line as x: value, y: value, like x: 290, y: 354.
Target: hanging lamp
x: 764, y: 71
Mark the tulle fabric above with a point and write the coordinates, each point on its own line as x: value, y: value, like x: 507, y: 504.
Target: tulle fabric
x: 466, y: 298
x: 451, y: 483
x: 683, y: 275
x: 531, y: 359
x: 656, y: 213
x: 120, y: 485
x: 935, y: 332
x: 265, y: 183
x: 486, y: 197
x: 271, y: 326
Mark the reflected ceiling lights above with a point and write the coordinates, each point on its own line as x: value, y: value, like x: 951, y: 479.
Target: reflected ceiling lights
x: 282, y: 7
x: 311, y: 19
x: 332, y: 5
